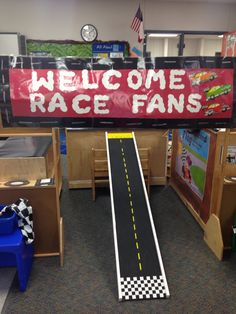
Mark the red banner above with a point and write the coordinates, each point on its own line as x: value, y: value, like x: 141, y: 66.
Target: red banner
x: 153, y: 94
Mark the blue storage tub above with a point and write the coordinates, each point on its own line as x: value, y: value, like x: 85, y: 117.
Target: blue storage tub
x: 8, y: 221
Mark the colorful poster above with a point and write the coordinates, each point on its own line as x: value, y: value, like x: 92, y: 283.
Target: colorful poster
x: 122, y: 93
x: 192, y: 158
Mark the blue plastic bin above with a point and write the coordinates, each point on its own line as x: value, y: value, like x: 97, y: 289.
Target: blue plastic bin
x: 8, y: 222
x: 14, y: 252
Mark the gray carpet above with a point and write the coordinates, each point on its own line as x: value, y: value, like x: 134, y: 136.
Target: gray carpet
x: 198, y: 282
x: 6, y: 278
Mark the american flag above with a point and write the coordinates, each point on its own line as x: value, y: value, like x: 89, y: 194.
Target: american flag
x: 137, y: 24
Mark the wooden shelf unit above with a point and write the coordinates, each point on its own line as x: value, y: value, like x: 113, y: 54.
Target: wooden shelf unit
x: 79, y: 158
x: 45, y: 200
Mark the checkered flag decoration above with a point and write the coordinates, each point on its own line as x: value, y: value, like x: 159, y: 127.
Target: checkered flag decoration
x: 142, y: 288
x: 25, y: 218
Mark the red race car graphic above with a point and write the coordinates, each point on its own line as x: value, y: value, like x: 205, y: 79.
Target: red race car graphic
x: 215, y: 108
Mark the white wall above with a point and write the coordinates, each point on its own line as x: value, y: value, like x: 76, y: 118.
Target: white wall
x: 212, y: 46
x: 190, y: 15
x: 172, y: 47
x: 156, y: 47
x: 62, y: 19
x: 191, y: 47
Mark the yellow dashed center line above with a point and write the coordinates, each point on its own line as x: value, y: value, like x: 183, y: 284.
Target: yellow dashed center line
x: 131, y: 208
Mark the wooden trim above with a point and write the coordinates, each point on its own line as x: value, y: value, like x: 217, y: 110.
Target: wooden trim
x: 217, y: 174
x: 219, y: 169
x: 57, y: 158
x: 188, y: 204
x: 213, y: 236
x: 61, y: 241
x: 158, y: 180
x: 80, y: 184
x: 46, y: 254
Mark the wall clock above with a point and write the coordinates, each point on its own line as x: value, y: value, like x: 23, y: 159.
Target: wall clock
x: 89, y: 33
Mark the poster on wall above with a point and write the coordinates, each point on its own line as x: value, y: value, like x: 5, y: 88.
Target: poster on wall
x: 108, y: 50
x: 192, y: 158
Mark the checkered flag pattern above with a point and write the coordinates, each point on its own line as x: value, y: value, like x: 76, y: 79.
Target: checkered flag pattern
x: 25, y: 218
x: 138, y: 288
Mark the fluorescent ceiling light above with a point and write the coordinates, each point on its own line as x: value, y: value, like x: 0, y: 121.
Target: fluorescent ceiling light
x: 220, y: 36
x: 162, y: 35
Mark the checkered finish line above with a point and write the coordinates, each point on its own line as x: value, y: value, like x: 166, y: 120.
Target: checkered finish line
x: 138, y: 288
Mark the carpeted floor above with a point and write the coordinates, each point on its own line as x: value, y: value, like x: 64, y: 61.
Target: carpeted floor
x: 6, y: 278
x: 198, y: 282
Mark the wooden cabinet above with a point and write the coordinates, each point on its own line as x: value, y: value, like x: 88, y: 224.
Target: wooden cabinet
x: 214, y: 211
x: 48, y: 223
x: 223, y: 196
x: 227, y: 210
x: 80, y: 143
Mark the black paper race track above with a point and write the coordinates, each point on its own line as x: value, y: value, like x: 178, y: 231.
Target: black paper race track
x: 140, y: 271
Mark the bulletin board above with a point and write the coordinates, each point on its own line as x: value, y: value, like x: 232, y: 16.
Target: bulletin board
x: 63, y: 48
x: 192, y: 168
